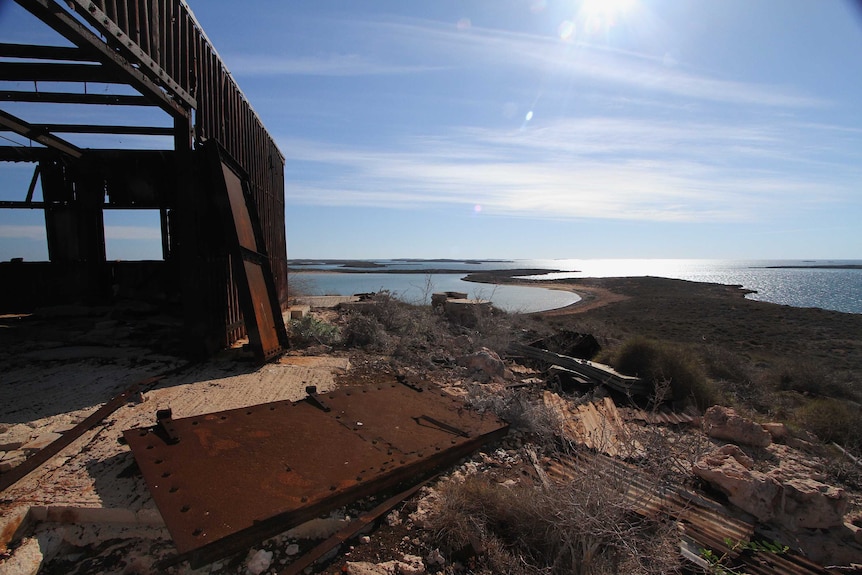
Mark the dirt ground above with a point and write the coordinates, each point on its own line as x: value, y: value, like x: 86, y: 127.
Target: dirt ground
x: 92, y: 512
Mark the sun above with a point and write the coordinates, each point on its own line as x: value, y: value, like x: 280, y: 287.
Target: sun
x: 598, y: 17
x: 608, y: 10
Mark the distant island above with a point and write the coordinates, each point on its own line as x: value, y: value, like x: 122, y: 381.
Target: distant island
x: 816, y: 267
x: 370, y: 266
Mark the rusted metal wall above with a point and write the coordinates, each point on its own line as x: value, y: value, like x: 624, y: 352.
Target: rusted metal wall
x: 167, y: 33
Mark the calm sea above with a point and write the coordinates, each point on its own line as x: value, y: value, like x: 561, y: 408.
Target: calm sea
x: 799, y: 283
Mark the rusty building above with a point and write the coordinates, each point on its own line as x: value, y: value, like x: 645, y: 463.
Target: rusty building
x: 218, y: 189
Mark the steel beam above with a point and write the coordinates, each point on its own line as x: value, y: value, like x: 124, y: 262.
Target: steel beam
x: 74, y: 98
x: 105, y: 129
x: 25, y: 154
x: 55, y: 72
x: 114, y: 33
x: 69, y: 27
x: 27, y: 130
x: 32, y: 52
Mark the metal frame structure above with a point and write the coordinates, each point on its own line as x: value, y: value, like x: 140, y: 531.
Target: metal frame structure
x: 158, y: 48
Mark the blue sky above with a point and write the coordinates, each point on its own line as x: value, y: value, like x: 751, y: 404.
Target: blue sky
x: 542, y: 129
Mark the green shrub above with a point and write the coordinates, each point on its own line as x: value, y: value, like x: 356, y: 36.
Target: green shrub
x: 310, y: 330
x: 663, y: 363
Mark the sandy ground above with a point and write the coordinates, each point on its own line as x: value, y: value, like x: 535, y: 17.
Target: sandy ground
x: 94, y: 480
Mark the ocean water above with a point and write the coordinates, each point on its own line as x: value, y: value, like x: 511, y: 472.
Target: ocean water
x: 798, y: 283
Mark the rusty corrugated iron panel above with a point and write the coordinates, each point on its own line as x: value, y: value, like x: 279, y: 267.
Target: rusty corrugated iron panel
x: 594, y: 424
x: 659, y: 416
x: 705, y: 522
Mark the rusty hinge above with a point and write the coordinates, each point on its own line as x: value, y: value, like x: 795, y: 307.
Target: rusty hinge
x: 441, y: 425
x: 315, y: 400
x: 165, y: 426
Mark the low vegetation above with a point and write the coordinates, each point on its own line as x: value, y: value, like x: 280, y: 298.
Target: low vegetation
x: 584, y: 525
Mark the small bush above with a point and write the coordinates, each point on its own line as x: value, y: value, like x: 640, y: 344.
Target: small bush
x: 366, y: 331
x: 583, y: 526
x: 310, y: 330
x: 813, y: 379
x: 661, y: 362
x: 832, y: 420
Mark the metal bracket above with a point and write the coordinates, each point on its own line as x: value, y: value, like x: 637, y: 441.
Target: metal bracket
x: 315, y: 400
x: 165, y: 425
x: 442, y: 425
x: 402, y: 379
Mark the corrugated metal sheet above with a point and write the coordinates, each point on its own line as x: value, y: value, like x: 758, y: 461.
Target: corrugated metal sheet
x: 594, y: 424
x: 702, y: 521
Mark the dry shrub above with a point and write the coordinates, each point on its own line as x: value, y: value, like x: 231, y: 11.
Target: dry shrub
x: 309, y: 331
x: 366, y: 331
x: 810, y: 378
x: 659, y: 362
x: 517, y: 409
x: 583, y: 526
x: 389, y: 325
x: 832, y: 420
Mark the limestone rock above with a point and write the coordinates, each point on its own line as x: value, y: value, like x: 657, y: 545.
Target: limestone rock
x: 258, y: 561
x: 409, y: 565
x: 748, y: 489
x: 813, y: 505
x: 792, y: 502
x: 724, y: 423
x: 487, y: 362
x: 778, y: 431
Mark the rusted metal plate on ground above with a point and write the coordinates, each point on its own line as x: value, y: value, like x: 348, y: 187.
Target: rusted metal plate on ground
x: 238, y: 476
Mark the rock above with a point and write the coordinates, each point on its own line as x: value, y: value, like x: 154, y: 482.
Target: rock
x: 750, y: 490
x: 435, y: 558
x: 794, y: 503
x: 810, y: 504
x: 291, y: 549
x: 11, y: 460
x: 258, y: 561
x: 778, y: 431
x: 486, y: 362
x: 739, y: 455
x: 409, y: 565
x: 724, y: 423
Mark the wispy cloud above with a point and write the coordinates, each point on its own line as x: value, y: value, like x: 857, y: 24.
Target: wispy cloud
x: 415, y: 46
x: 591, y: 168
x: 328, y: 65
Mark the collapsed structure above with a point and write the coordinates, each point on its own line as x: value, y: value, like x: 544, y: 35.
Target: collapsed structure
x: 218, y: 189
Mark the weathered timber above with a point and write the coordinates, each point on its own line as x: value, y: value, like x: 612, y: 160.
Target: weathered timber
x: 597, y: 373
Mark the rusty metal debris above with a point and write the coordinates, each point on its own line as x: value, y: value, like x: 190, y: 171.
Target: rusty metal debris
x: 703, y: 523
x: 238, y: 476
x: 590, y: 372
x: 351, y: 530
x: 594, y: 424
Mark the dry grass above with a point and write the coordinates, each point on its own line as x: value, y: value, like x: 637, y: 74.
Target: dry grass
x: 582, y: 526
